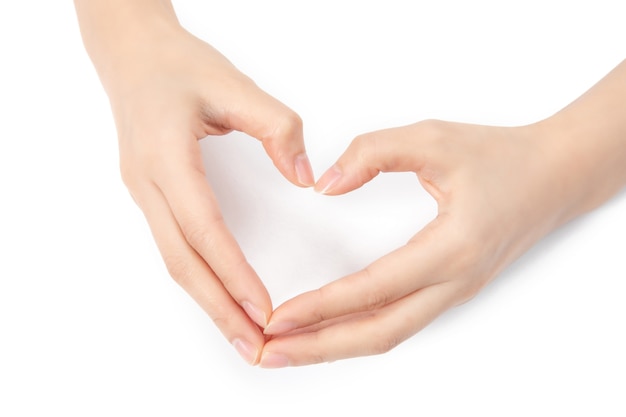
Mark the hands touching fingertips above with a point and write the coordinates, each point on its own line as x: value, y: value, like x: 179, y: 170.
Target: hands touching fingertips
x: 498, y: 189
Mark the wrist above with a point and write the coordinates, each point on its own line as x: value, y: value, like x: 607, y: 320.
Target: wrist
x: 584, y: 161
x: 114, y: 32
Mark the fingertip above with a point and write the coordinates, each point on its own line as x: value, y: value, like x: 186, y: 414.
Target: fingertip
x: 280, y: 327
x: 304, y: 171
x: 272, y: 360
x: 248, y: 351
x: 255, y: 313
x: 329, y: 180
x: 280, y: 130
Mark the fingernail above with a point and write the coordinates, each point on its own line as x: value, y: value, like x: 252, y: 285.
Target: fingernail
x: 279, y: 327
x: 256, y: 314
x: 274, y: 360
x: 304, y: 172
x: 246, y: 350
x: 328, y: 180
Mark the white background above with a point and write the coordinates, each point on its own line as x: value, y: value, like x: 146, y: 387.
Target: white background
x: 90, y: 323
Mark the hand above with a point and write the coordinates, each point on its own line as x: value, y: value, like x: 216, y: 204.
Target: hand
x: 494, y: 202
x: 498, y: 191
x: 167, y: 90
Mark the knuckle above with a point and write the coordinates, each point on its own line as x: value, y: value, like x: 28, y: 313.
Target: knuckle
x: 432, y: 128
x: 291, y: 122
x: 129, y: 172
x: 281, y: 137
x: 134, y: 183
x: 179, y: 269
x: 385, y: 344
x: 317, y: 313
x: 229, y: 271
x: 137, y: 164
x: 288, y: 124
x: 376, y: 298
x: 374, y: 151
x: 220, y: 318
x: 317, y: 358
x: 366, y: 150
x: 434, y: 132
x: 363, y: 141
x: 198, y: 236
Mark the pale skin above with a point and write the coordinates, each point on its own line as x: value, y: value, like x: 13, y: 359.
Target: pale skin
x: 499, y: 189
x: 168, y: 89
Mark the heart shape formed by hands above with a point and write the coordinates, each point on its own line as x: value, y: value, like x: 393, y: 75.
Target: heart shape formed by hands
x: 395, y: 281
x: 296, y: 239
x: 498, y: 191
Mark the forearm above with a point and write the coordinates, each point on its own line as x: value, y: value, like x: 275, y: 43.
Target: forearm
x: 114, y: 30
x: 587, y: 144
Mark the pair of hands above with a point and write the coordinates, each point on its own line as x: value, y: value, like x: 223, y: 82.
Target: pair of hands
x: 496, y: 190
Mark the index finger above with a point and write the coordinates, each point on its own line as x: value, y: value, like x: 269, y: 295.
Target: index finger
x: 431, y: 257
x: 192, y: 273
x: 363, y: 334
x: 195, y: 208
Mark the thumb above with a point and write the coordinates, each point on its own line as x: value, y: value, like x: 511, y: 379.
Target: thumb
x: 279, y: 129
x: 399, y: 149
